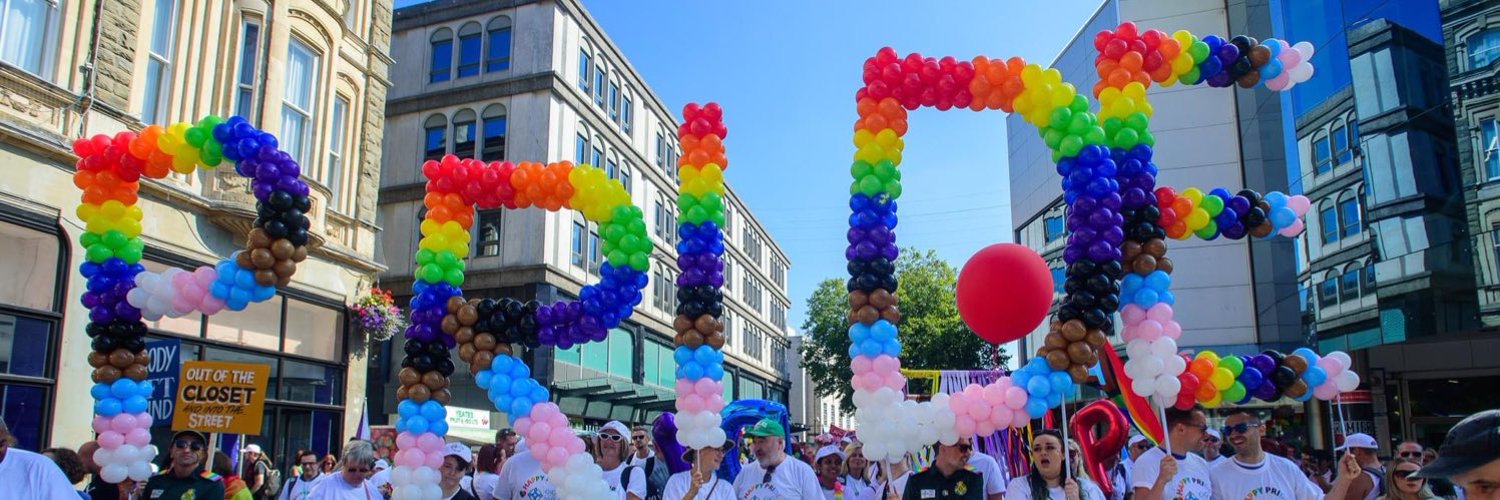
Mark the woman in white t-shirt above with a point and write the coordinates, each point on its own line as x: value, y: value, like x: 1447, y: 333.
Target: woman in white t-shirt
x: 901, y: 470
x: 700, y: 482
x: 486, y: 472
x: 1047, y: 479
x: 613, y: 456
x: 857, y: 478
x: 348, y: 481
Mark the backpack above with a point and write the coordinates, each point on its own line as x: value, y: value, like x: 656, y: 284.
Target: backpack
x: 654, y: 482
x: 271, y: 486
x: 625, y: 480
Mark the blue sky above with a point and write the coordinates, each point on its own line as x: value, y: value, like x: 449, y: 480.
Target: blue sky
x: 786, y: 72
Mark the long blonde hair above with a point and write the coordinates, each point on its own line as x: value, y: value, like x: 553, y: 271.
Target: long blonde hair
x: 1391, y: 492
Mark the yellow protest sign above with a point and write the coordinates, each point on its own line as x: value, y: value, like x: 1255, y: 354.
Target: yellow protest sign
x: 219, y: 396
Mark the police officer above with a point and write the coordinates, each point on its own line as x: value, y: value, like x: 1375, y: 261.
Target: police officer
x: 184, y: 478
x: 947, y: 478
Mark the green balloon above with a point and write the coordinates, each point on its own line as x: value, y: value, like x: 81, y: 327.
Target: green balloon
x: 1126, y: 138
x: 88, y: 239
x: 454, y: 277
x: 209, y: 122
x: 1215, y: 205
x: 640, y: 262
x: 196, y: 136
x: 1054, y: 138
x: 1060, y: 119
x: 1233, y: 363
x: 430, y: 273
x: 615, y: 231
x: 1080, y: 104
x: 99, y: 253
x: 636, y: 227
x: 130, y: 254
x: 718, y: 218
x: 1147, y: 138
x: 630, y: 243
x: 1113, y: 125
x: 860, y: 168
x: 115, y: 239
x: 869, y: 185
x: 854, y: 187
x: 1138, y: 121
x: 1199, y: 51
x: 712, y: 201
x: 1071, y: 145
x: 618, y: 256
x: 885, y: 170
x: 446, y: 259
x: 696, y: 215
x: 1081, y: 123
x: 1208, y: 231
x: 1191, y: 76
x: 1095, y: 135
x: 623, y: 212
x: 424, y: 256
x: 212, y: 153
x: 1235, y: 392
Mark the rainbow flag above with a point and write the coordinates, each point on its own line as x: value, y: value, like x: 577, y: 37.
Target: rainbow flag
x: 1140, y: 412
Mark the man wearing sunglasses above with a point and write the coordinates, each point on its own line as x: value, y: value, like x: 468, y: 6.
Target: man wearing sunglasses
x: 1253, y: 473
x: 184, y: 476
x: 1182, y: 474
x: 771, y: 475
x: 947, y: 478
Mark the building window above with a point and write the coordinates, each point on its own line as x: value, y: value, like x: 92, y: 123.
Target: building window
x: 1484, y: 48
x: 584, y: 64
x: 601, y: 75
x: 778, y: 315
x: 1341, y: 151
x: 470, y: 46
x: 1369, y: 277
x: 1349, y: 216
x: 1490, y: 147
x: 442, y: 56
x: 598, y: 160
x: 333, y: 173
x: 614, y: 102
x: 436, y: 138
x: 497, y: 55
x: 1349, y: 288
x: 26, y: 33
x: 299, y: 102
x: 29, y: 329
x: 1328, y: 292
x: 611, y: 168
x: 464, y: 133
x: 1375, y: 83
x: 158, y: 65
x: 625, y: 177
x: 579, y: 234
x: 1322, y: 157
x: 661, y: 220
x: 627, y: 115
x: 487, y: 242
x: 1330, y: 221
x: 494, y: 134
x: 596, y: 255
x: 661, y: 150
x: 1059, y: 278
x: 1054, y: 229
x: 249, y: 68
x: 729, y: 272
x: 581, y: 152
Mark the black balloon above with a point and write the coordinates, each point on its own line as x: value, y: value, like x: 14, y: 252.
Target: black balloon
x: 281, y: 200
x: 1284, y: 376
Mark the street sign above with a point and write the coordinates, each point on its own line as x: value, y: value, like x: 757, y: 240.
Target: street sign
x: 218, y: 396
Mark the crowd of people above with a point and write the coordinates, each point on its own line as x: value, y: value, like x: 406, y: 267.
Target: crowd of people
x: 1193, y: 462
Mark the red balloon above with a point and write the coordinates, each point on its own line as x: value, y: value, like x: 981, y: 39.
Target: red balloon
x: 1004, y: 292
x: 1098, y: 449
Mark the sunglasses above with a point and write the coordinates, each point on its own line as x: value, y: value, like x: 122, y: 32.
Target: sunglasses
x: 1241, y: 427
x: 612, y: 437
x: 1407, y: 474
x: 364, y: 470
x: 1142, y: 445
x: 1411, y: 454
x: 309, y: 464
x: 637, y: 438
x: 183, y: 444
x: 964, y: 447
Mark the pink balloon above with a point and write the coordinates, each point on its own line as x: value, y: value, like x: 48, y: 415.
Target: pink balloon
x: 1001, y: 416
x: 1148, y: 330
x: 690, y: 403
x: 886, y: 364
x: 205, y: 276
x: 1330, y: 366
x: 973, y: 392
x: 994, y: 395
x: 1294, y: 229
x: 434, y: 460
x: 714, y: 403
x: 959, y: 403
x: 985, y: 427
x: 1015, y: 398
x: 1289, y: 59
x: 138, y: 437
x: 1172, y: 329
x: 685, y: 386
x: 895, y: 381
x: 1280, y: 82
x: 101, y: 424
x: 1161, y: 312
x: 111, y: 440
x: 1132, y: 314
x: 1326, y: 391
x: 557, y: 456
x: 144, y: 420
x: 522, y: 425
x: 964, y: 425
x: 1299, y: 204
x: 560, y: 437
x: 539, y: 431
x: 415, y: 457
x: 211, y: 305
x: 429, y: 442
x: 980, y: 409
x: 860, y: 364
x: 707, y: 387
x: 574, y: 446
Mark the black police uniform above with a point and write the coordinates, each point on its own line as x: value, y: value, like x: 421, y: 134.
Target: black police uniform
x: 201, y: 485
x: 931, y: 483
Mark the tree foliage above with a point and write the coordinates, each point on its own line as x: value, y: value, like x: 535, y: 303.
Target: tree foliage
x: 932, y: 334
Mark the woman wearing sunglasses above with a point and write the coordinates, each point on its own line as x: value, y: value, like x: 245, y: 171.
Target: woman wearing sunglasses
x: 350, y: 482
x: 1403, y: 484
x: 700, y: 482
x: 1047, y: 479
x: 613, y: 456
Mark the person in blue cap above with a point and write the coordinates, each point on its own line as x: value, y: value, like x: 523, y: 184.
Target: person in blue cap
x: 1470, y: 456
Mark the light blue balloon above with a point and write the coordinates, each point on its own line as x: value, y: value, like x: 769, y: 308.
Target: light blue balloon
x: 1146, y: 298
x: 893, y: 348
x: 501, y: 364
x: 433, y: 410
x: 482, y: 379
x: 135, y: 404
x: 1158, y: 280
x: 1167, y: 298
x: 519, y: 369
x: 145, y: 388
x: 407, y: 408
x: 1037, y: 408
x: 714, y: 372
x: 1315, y: 376
x: 1020, y: 378
x: 1272, y: 69
x: 871, y: 348
x: 883, y: 330
x: 521, y: 407
x: 244, y: 280
x: 1061, y: 382
x: 691, y: 371
x: 1038, y: 387
x: 1277, y: 199
x: 99, y: 391
x: 107, y: 407
x: 858, y: 332
x: 1282, y: 216
x: 439, y: 427
x: 264, y: 293
x: 1131, y: 283
x: 704, y: 355
x: 1310, y: 355
x: 855, y: 350
x: 400, y: 425
x: 122, y: 388
x: 539, y: 393
x: 682, y: 355
x: 1054, y: 400
x: 219, y: 290
x: 415, y: 424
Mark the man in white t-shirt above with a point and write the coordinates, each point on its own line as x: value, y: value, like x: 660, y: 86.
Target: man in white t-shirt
x: 1253, y: 473
x: 1212, y: 440
x: 29, y: 475
x: 994, y: 479
x: 771, y: 475
x: 1183, y: 475
x: 522, y: 479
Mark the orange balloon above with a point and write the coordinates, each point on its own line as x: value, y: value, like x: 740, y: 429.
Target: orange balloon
x: 1099, y: 87
x: 1202, y: 368
x: 106, y: 179
x: 1178, y: 229
x: 1014, y: 65
x: 867, y: 106
x: 1132, y: 61
x: 1169, y: 49
x: 465, y: 219
x: 892, y: 109
x: 126, y: 196
x: 688, y: 142
x: 1182, y: 205
x: 1206, y: 391
x: 83, y: 179
x: 997, y: 100
x: 1119, y: 78
x: 899, y: 126
x: 1144, y: 78
x: 1105, y: 66
x: 439, y: 213
x: 875, y: 123
x: 980, y: 85
x: 1162, y: 73
x: 981, y: 65
x: 720, y: 160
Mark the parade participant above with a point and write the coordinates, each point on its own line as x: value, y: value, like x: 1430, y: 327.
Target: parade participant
x: 97, y: 488
x: 350, y: 482
x: 828, y: 463
x: 1047, y: 479
x: 1158, y: 475
x: 858, y: 478
x: 486, y: 471
x: 234, y: 486
x: 1371, y: 485
x: 71, y: 465
x: 1470, y: 457
x: 301, y: 485
x: 184, y: 475
x: 456, y: 458
x: 522, y: 479
x: 1212, y: 440
x: 644, y: 456
x: 326, y: 468
x: 1254, y: 473
x: 892, y: 490
x: 989, y: 469
x: 260, y: 474
x: 771, y: 475
x: 701, y: 482
x: 614, y: 457
x: 947, y: 477
x: 1402, y: 482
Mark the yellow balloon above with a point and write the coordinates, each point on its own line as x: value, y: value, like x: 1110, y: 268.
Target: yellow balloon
x: 1211, y: 356
x: 87, y: 211
x: 1194, y: 195
x: 1135, y: 90
x: 862, y: 137
x: 713, y: 173
x: 1197, y: 219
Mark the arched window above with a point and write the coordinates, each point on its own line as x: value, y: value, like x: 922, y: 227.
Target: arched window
x: 581, y: 151
x: 1328, y: 220
x: 1340, y: 143
x: 596, y: 157
x: 585, y: 65
x: 1328, y: 290
x: 627, y: 112
x: 601, y: 75
x: 1349, y: 214
x: 435, y: 140
x: 465, y: 133
x: 1369, y: 275
x: 1484, y: 48
x: 497, y: 54
x: 1322, y: 154
x: 470, y: 47
x: 612, y: 165
x: 1349, y: 282
x: 442, y: 56
x: 493, y: 128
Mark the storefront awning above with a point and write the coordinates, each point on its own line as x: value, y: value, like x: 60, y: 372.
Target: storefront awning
x: 611, y: 398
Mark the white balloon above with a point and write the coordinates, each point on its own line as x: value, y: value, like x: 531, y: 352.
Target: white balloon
x: 1348, y: 381
x: 126, y: 454
x: 114, y: 473
x: 140, y: 471
x: 1150, y: 366
x: 1301, y: 72
x: 1143, y: 386
x: 1173, y: 365
x: 1342, y: 357
x: 1164, y: 347
x: 104, y: 456
x: 1168, y: 387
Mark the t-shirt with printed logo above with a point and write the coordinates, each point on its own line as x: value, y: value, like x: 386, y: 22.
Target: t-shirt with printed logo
x: 1191, y: 482
x: 1274, y: 478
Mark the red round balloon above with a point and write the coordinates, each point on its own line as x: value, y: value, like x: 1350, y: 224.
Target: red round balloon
x: 1004, y: 292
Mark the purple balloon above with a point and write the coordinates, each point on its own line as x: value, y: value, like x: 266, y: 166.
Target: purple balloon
x: 1101, y: 251
x: 664, y: 434
x: 880, y: 235
x: 1111, y: 201
x: 1071, y: 253
x: 864, y: 250
x: 855, y: 235
x: 849, y: 253
x: 890, y: 252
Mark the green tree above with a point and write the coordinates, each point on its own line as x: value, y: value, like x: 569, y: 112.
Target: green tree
x: 932, y: 334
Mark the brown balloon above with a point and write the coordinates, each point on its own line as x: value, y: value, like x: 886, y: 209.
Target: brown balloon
x: 265, y: 277
x: 716, y: 340
x: 1155, y: 247
x: 1262, y: 230
x: 1079, y: 374
x: 891, y: 314
x: 403, y: 392
x: 284, y: 268
x: 136, y: 372
x: 881, y: 298
x: 1055, y: 340
x: 1091, y: 359
x: 1096, y: 339
x: 258, y: 239
x: 449, y: 324
x: 1131, y: 249
x: 300, y: 254
x: 1080, y: 352
x: 692, y: 339
x: 408, y: 376
x: 106, y: 374
x: 484, y: 341
x: 468, y: 315
x: 482, y: 360
x: 442, y: 396
x: 1260, y: 55
x: 1143, y: 264
x: 866, y: 315
x: 1074, y: 331
x: 262, y: 258
x: 98, y: 359
x: 1297, y: 389
x: 454, y: 303
x: 434, y: 380
x: 283, y: 249
x: 681, y: 323
x: 705, y: 323
x: 1249, y: 80
x: 121, y: 358
x: 503, y: 349
x: 1298, y: 364
x: 466, y: 352
x: 283, y: 281
x: 858, y: 298
x: 1164, y: 264
x: 242, y: 259
x: 1058, y: 360
x: 143, y: 357
x: 419, y: 393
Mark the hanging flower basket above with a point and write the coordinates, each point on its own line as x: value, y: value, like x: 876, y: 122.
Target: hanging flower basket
x: 378, y: 316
